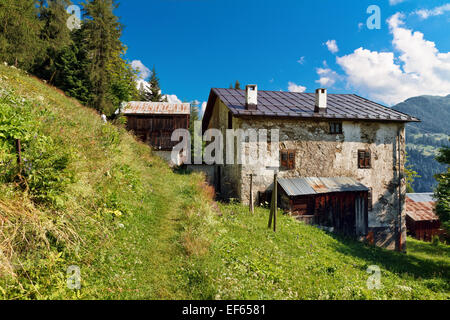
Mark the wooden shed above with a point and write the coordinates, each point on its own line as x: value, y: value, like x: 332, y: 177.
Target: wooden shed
x: 154, y: 122
x: 339, y: 204
x: 421, y: 221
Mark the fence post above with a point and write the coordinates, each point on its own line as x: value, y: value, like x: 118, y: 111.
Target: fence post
x: 275, y: 199
x: 19, y: 155
x: 251, y: 208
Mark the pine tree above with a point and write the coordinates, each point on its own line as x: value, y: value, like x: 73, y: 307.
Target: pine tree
x: 72, y: 67
x: 102, y: 31
x: 19, y: 33
x: 442, y: 192
x: 55, y: 36
x: 195, y: 116
x: 142, y: 92
x: 123, y: 82
x: 237, y: 85
x: 153, y: 92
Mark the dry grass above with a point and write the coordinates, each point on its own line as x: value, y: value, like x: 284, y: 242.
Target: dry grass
x: 24, y: 229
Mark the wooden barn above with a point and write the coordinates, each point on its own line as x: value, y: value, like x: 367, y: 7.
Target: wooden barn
x: 421, y: 221
x: 154, y: 123
x: 338, y: 204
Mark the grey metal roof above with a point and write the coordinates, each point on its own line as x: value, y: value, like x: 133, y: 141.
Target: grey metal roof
x: 302, y: 105
x: 311, y: 185
x: 421, y: 197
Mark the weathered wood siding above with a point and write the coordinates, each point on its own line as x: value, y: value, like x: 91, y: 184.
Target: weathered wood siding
x: 156, y: 130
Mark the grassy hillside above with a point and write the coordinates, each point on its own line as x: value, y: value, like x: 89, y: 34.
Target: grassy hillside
x: 90, y: 196
x: 424, y: 139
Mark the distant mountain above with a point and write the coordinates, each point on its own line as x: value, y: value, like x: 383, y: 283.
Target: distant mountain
x: 434, y: 111
x: 424, y: 139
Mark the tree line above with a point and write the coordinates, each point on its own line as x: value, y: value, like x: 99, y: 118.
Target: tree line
x: 86, y: 62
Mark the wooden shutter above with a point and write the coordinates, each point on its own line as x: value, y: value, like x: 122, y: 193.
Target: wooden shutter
x: 361, y: 156
x: 367, y: 160
x: 284, y: 159
x: 291, y: 160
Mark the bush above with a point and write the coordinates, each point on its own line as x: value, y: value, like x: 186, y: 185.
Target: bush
x: 44, y: 170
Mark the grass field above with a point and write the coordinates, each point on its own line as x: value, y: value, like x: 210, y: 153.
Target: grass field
x: 91, y: 196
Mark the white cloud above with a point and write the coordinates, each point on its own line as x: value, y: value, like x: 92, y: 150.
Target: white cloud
x: 394, y: 2
x: 144, y: 72
x: 292, y: 87
x: 301, y: 60
x: 142, y: 84
x: 418, y: 69
x: 171, y: 98
x: 332, y: 46
x: 327, y: 76
x: 437, y: 11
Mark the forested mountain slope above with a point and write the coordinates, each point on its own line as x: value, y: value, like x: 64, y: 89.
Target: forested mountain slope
x: 424, y: 139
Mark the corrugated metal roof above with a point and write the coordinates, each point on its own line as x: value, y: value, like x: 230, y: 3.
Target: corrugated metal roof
x: 421, y: 197
x: 312, y: 185
x: 420, y: 206
x: 421, y: 211
x: 139, y: 107
x: 302, y: 105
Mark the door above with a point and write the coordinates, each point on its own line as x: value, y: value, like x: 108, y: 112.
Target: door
x: 360, y: 216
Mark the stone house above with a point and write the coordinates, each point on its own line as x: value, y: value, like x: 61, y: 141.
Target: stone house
x: 354, y: 144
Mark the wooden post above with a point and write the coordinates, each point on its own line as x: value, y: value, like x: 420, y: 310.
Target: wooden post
x: 275, y: 199
x: 271, y: 212
x: 251, y: 208
x: 19, y: 154
x: 273, y: 202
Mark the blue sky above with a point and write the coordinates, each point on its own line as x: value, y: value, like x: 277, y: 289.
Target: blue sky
x: 280, y: 45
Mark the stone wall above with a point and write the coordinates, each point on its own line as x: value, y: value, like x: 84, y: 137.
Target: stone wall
x: 320, y: 154
x: 230, y: 175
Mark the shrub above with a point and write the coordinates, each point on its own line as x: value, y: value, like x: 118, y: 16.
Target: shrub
x: 44, y: 170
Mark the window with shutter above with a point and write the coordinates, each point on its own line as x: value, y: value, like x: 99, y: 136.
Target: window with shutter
x: 364, y: 159
x: 287, y: 159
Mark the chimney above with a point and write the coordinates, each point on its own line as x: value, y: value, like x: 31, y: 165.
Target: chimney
x: 321, y: 100
x: 251, y: 97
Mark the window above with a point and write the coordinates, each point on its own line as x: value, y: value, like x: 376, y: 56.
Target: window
x: 287, y: 159
x: 335, y: 127
x: 369, y: 200
x: 364, y: 159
